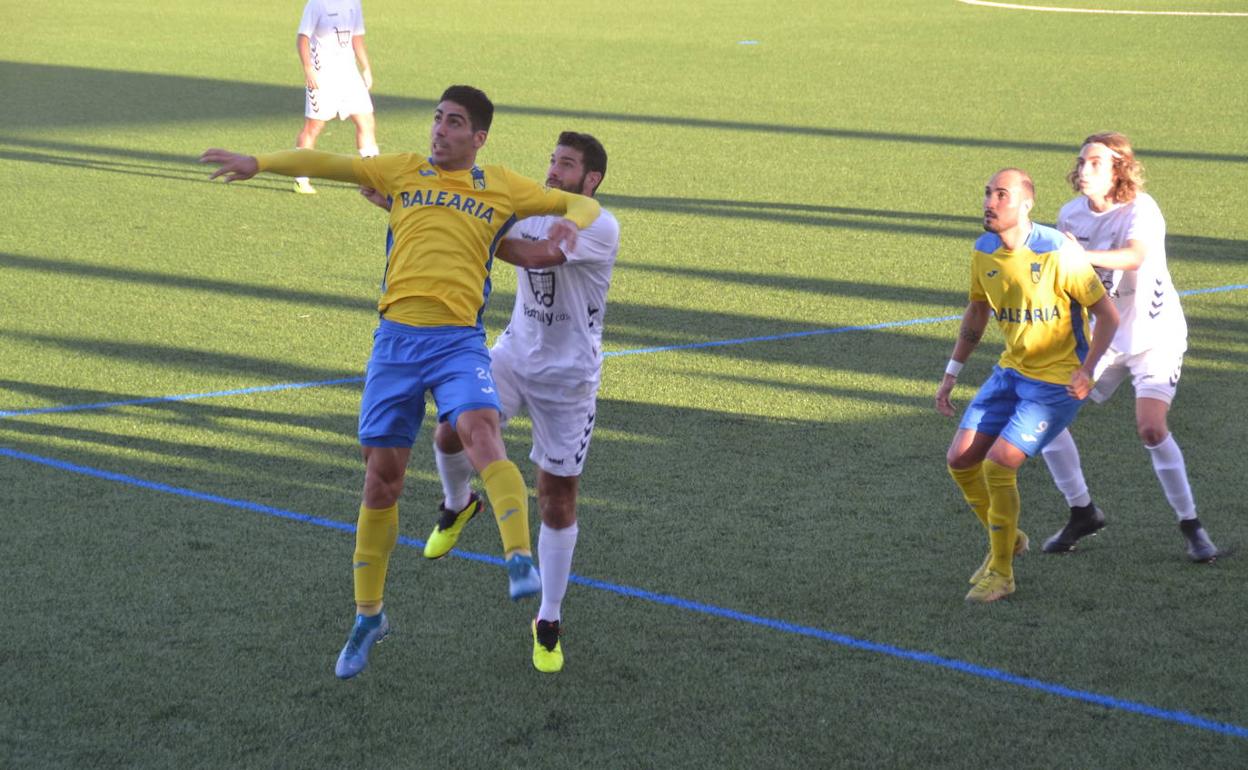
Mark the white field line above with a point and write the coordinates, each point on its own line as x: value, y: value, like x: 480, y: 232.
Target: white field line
x: 1050, y: 9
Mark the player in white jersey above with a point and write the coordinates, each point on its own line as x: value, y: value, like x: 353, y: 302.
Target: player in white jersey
x: 1123, y: 231
x: 547, y: 362
x: 330, y: 43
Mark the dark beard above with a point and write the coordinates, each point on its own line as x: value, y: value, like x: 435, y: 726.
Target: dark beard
x: 576, y: 186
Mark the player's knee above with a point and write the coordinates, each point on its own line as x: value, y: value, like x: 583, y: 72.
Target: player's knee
x: 382, y: 492
x: 556, y: 498
x: 311, y: 130
x: 479, y: 428
x: 1152, y: 434
x: 383, y: 479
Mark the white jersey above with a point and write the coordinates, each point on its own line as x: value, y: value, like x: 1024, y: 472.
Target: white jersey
x: 329, y: 26
x: 555, y: 332
x: 1150, y: 315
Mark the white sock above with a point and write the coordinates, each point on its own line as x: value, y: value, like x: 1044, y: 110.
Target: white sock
x: 302, y: 180
x: 369, y: 151
x: 1062, y: 457
x: 1172, y: 473
x: 455, y: 470
x: 554, y: 557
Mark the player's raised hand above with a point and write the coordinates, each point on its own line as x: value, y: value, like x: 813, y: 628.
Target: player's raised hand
x: 233, y: 166
x: 564, y: 233
x: 943, y: 404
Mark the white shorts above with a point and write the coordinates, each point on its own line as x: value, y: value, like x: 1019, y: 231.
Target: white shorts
x: 1154, y: 373
x: 340, y: 94
x: 563, y: 417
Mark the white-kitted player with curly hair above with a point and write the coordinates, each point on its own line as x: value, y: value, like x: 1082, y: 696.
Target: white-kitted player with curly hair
x: 1124, y: 233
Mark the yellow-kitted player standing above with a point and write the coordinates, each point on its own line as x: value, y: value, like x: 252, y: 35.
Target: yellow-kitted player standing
x: 1039, y: 287
x: 447, y: 219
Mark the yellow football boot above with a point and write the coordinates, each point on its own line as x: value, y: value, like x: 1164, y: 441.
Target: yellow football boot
x: 1021, y: 544
x: 446, y: 532
x: 991, y: 587
x: 547, y: 649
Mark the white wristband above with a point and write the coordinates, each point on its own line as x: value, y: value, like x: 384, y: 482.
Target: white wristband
x: 953, y: 367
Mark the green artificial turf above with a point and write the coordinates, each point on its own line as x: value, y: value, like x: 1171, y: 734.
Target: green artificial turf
x: 769, y: 521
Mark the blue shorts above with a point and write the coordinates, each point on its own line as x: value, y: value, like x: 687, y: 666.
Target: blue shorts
x: 450, y: 361
x: 1025, y: 412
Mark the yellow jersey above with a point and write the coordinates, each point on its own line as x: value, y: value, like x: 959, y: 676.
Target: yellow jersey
x: 444, y: 226
x: 1039, y: 296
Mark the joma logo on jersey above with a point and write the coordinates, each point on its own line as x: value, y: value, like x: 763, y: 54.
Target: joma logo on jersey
x: 1027, y: 315
x: 464, y: 203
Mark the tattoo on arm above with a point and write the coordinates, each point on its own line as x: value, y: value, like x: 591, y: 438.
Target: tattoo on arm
x: 970, y: 335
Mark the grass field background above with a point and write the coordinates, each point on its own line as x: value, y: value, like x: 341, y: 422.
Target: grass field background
x: 776, y: 168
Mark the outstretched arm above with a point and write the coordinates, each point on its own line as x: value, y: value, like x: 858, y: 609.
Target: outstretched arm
x: 236, y: 167
x: 974, y: 321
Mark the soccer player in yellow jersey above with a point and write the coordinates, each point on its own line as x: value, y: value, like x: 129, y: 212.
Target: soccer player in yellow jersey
x: 1039, y: 287
x: 448, y: 217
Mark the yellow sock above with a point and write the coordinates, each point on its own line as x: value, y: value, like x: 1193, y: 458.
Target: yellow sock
x: 376, y: 532
x: 974, y: 489
x: 509, y: 498
x: 1003, y: 511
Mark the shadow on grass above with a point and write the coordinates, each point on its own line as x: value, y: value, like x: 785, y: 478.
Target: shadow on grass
x: 161, y: 280
x: 172, y: 357
x: 42, y: 96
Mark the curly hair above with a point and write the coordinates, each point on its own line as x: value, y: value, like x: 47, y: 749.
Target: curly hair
x: 1128, y: 173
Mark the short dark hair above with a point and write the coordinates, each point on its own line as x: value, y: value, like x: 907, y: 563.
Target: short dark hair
x: 480, y: 108
x: 593, y: 155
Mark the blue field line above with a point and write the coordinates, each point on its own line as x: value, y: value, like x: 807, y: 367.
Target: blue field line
x: 1215, y: 289
x: 927, y: 658
x: 607, y: 354
x: 1107, y: 701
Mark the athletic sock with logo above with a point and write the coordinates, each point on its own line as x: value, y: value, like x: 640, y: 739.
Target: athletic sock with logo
x: 1003, y: 512
x: 376, y: 532
x: 974, y: 489
x: 509, y: 498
